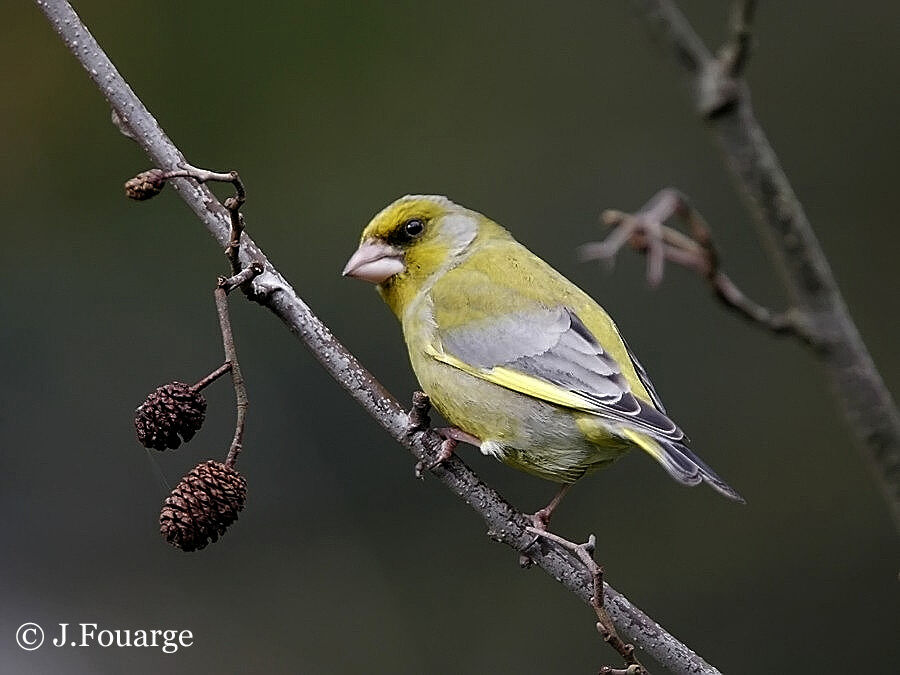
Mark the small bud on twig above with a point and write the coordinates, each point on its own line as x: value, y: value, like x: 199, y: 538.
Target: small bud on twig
x: 146, y: 184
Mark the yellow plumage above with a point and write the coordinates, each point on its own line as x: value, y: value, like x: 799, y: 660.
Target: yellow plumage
x: 510, y: 351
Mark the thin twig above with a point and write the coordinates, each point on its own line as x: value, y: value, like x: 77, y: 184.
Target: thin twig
x: 859, y: 389
x: 232, y: 204
x: 630, y: 670
x: 212, y: 377
x: 418, y: 414
x: 605, y: 626
x: 249, y: 273
x: 735, y: 53
x: 646, y: 233
x: 206, y: 176
x: 237, y: 378
x: 504, y: 523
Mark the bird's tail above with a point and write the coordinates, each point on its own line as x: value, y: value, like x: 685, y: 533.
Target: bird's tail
x: 682, y: 464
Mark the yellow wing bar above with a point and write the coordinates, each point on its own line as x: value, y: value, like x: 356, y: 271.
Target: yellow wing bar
x: 520, y: 382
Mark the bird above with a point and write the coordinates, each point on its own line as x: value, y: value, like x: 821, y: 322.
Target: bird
x: 520, y: 361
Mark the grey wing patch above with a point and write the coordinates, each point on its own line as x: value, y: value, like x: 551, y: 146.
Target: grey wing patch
x: 577, y: 362
x: 503, y: 339
x: 553, y: 344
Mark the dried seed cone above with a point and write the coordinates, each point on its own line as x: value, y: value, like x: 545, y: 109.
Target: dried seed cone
x: 146, y: 184
x: 202, y: 506
x: 171, y: 414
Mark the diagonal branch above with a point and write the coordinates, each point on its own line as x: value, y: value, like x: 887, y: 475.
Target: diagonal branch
x: 504, y: 523
x: 724, y: 100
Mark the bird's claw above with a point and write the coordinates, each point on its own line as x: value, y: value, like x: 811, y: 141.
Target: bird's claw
x: 541, y: 519
x: 539, y: 522
x: 445, y: 452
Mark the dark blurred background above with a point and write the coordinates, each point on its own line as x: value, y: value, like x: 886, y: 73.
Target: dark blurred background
x: 540, y: 116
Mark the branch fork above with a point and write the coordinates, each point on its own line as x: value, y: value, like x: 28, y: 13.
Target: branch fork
x: 719, y: 81
x: 605, y: 626
x: 646, y: 233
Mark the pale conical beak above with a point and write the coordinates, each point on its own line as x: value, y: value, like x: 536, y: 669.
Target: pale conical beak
x: 374, y: 261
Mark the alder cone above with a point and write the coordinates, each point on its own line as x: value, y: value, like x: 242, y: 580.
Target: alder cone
x: 171, y: 414
x: 202, y: 506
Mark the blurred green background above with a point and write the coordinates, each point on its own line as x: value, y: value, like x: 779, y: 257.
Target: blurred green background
x: 540, y: 116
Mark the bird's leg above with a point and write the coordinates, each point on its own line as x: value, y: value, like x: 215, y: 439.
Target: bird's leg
x: 455, y: 434
x: 541, y: 518
x: 452, y: 436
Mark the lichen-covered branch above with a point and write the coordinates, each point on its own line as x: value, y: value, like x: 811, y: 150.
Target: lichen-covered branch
x: 723, y: 99
x: 504, y: 523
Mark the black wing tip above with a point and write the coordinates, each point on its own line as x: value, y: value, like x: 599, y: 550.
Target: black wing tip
x: 701, y: 476
x: 724, y: 489
x: 679, y: 455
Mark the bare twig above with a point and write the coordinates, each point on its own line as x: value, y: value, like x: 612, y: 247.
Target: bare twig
x: 418, y: 419
x: 646, y: 233
x: 240, y: 390
x: 504, y: 523
x: 232, y: 204
x: 206, y: 176
x: 734, y: 54
x: 630, y: 670
x: 605, y: 626
x: 860, y: 391
x: 212, y: 377
x: 249, y: 273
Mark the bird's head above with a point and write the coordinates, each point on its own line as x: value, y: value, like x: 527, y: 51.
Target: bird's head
x: 410, y: 241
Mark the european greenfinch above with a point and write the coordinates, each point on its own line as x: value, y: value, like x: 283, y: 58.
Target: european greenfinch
x: 521, y: 361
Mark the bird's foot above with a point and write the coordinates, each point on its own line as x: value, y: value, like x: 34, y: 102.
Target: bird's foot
x: 452, y: 436
x: 444, y: 453
x: 540, y: 521
x: 418, y: 420
x: 525, y: 557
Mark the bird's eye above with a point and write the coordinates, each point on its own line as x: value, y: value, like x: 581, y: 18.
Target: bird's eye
x: 414, y: 227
